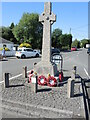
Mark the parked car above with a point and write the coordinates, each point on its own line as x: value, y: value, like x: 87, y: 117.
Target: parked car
x: 73, y: 49
x: 55, y: 50
x: 88, y: 51
x: 37, y: 50
x: 87, y: 46
x: 26, y: 52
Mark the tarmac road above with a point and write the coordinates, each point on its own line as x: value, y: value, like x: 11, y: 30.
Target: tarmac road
x: 78, y: 58
x: 15, y: 66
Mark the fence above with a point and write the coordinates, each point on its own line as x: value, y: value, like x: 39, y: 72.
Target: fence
x: 9, y: 53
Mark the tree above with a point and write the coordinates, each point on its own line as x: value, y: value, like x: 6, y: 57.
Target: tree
x: 55, y: 38
x: 84, y: 42
x: 70, y: 40
x: 66, y: 40
x: 76, y: 43
x: 6, y: 33
x: 29, y: 30
x: 11, y: 26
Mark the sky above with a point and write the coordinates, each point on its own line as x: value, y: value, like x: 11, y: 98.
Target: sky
x: 72, y: 15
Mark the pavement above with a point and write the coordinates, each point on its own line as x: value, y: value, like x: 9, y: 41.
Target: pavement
x: 49, y: 102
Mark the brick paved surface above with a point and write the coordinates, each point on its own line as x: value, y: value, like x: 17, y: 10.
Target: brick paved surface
x: 52, y: 102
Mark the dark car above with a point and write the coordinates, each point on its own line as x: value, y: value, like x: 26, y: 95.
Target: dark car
x: 55, y: 50
x: 88, y: 51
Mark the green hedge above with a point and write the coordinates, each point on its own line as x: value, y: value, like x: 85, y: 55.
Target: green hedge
x: 65, y: 48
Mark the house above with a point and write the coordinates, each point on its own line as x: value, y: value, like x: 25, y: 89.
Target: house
x: 8, y: 44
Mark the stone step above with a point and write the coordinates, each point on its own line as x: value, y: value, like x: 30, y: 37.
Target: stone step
x: 34, y: 111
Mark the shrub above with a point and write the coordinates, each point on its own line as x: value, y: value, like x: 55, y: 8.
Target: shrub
x: 27, y: 45
x: 6, y: 49
x: 65, y: 48
x: 76, y: 43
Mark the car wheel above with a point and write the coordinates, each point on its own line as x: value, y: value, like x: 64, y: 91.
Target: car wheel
x: 23, y: 56
x: 17, y: 57
x: 37, y: 55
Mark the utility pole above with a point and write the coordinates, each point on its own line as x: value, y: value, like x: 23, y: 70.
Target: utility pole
x: 70, y: 31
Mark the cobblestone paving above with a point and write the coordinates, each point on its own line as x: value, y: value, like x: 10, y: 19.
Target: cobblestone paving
x: 52, y: 97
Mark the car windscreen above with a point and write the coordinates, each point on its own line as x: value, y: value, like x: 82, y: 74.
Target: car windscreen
x: 88, y: 49
x: 29, y: 50
x: 19, y: 50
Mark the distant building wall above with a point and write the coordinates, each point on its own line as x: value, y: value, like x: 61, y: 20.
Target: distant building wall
x: 9, y: 46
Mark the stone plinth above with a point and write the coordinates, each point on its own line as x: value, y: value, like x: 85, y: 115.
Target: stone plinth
x: 43, y: 68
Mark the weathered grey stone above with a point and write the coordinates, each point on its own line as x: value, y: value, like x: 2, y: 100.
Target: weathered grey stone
x: 47, y: 19
x: 24, y: 73
x: 73, y: 74
x: 70, y: 88
x: 34, y: 85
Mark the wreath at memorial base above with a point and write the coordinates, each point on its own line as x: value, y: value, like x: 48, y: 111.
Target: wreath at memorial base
x: 30, y: 75
x: 61, y: 76
x: 42, y: 80
x: 51, y: 81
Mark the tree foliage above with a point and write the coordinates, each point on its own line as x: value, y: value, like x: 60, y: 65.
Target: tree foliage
x: 60, y: 40
x: 66, y: 40
x: 84, y: 42
x: 11, y: 26
x: 7, y: 33
x: 29, y: 29
x: 76, y: 43
x: 55, y: 37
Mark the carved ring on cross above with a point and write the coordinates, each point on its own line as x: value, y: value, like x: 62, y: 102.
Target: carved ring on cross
x: 47, y: 18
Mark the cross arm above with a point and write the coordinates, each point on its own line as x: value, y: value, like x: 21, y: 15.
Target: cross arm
x: 53, y: 18
x: 41, y: 17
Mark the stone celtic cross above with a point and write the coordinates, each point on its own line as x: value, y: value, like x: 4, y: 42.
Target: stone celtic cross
x: 47, y: 18
x: 45, y: 66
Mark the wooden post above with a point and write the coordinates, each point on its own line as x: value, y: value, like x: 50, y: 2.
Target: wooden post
x: 24, y: 73
x: 70, y: 88
x: 6, y: 82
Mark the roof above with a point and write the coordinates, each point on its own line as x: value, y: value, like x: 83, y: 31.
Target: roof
x: 2, y: 40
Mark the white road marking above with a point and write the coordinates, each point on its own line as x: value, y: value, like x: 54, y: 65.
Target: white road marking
x: 1, y: 82
x: 86, y: 73
x: 15, y: 77
x: 78, y: 53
